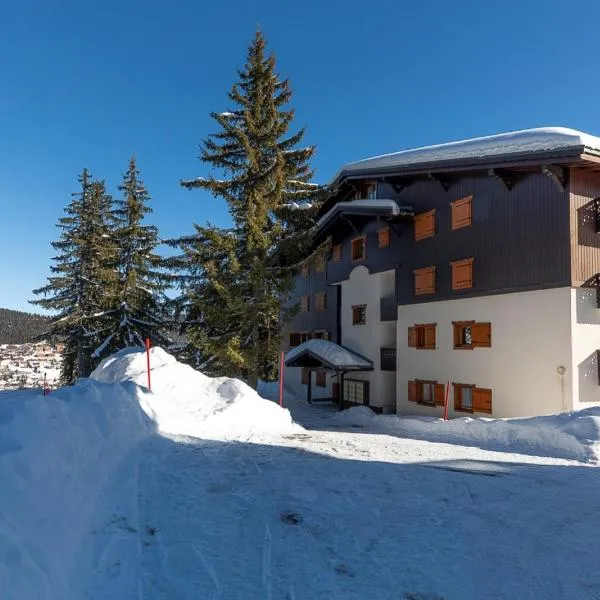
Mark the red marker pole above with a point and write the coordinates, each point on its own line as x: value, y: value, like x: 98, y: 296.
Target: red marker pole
x: 148, y: 362
x: 446, y: 401
x: 281, y: 379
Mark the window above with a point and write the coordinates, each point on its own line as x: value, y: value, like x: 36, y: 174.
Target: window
x: 468, y: 398
x: 424, y: 281
x: 424, y: 225
x: 461, y: 212
x: 294, y: 340
x: 321, y: 301
x: 337, y: 252
x: 388, y: 359
x: 359, y: 315
x: 367, y: 190
x: 430, y: 393
x: 359, y: 248
x: 305, y: 376
x: 356, y: 391
x: 383, y: 237
x: 304, y: 303
x: 469, y: 335
x: 422, y: 336
x: 321, y: 379
x: 321, y: 335
x: 462, y: 274
x: 304, y: 269
x: 320, y: 262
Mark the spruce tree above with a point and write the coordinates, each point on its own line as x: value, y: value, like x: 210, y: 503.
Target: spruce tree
x: 78, y: 290
x: 136, y: 311
x: 239, y: 277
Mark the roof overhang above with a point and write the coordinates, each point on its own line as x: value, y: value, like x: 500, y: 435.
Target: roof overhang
x: 380, y: 208
x: 323, y: 354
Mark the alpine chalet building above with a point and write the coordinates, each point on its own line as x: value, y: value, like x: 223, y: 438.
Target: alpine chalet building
x: 475, y: 263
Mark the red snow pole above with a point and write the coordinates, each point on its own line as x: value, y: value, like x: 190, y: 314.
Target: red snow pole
x: 148, y: 362
x: 281, y: 379
x: 446, y: 401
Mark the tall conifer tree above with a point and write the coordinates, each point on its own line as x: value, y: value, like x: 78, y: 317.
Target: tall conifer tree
x: 239, y: 277
x: 136, y: 311
x: 78, y: 290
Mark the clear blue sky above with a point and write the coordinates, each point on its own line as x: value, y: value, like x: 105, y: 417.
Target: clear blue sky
x: 88, y: 83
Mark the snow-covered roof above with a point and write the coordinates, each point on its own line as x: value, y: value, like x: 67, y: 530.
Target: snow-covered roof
x: 379, y: 207
x: 332, y: 356
x: 527, y: 141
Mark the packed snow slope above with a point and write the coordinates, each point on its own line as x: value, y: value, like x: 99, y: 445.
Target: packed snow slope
x: 203, y: 489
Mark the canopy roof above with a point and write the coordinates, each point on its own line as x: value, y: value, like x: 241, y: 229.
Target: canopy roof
x: 328, y: 355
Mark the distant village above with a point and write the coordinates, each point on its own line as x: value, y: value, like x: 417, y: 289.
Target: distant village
x: 30, y: 365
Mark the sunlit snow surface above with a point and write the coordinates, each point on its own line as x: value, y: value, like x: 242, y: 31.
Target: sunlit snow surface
x: 204, y: 490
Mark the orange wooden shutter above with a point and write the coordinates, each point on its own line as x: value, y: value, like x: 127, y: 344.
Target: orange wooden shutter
x: 482, y: 400
x: 429, y: 337
x: 337, y: 252
x: 425, y: 281
x: 383, y: 238
x: 456, y: 396
x: 461, y: 212
x: 320, y: 263
x: 481, y: 335
x: 439, y: 393
x: 462, y: 274
x: 412, y: 337
x: 412, y: 391
x: 424, y: 225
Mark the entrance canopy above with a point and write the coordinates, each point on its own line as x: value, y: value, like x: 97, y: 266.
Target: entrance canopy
x: 325, y: 355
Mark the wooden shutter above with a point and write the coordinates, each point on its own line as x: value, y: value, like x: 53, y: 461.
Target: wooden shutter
x: 424, y: 281
x: 321, y: 300
x: 320, y: 263
x: 481, y: 335
x: 439, y: 393
x: 321, y: 379
x: 424, y: 225
x: 461, y: 212
x: 305, y: 376
x: 429, y: 337
x: 412, y: 391
x: 462, y: 274
x: 337, y: 252
x: 383, y: 237
x: 456, y: 396
x: 482, y: 400
x: 304, y: 269
x: 412, y: 337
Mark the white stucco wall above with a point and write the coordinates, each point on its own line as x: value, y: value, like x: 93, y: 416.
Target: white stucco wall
x: 585, y: 319
x: 365, y: 288
x: 531, y: 338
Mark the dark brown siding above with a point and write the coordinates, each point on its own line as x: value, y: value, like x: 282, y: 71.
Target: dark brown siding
x: 585, y: 241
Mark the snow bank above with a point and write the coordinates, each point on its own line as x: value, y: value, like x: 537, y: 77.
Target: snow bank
x: 187, y: 403
x: 573, y: 435
x: 57, y: 453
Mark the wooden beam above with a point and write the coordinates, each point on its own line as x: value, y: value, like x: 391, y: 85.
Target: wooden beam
x: 398, y: 184
x: 445, y: 182
x: 508, y: 179
x: 558, y: 174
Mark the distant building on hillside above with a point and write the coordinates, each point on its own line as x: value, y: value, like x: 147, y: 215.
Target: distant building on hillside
x: 474, y: 262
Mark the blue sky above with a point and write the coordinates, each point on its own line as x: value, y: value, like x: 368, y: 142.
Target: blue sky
x: 87, y: 84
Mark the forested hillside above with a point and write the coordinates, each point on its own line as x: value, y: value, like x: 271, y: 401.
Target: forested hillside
x: 18, y: 327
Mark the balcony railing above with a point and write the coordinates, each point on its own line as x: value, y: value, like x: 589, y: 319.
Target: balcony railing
x: 389, y: 309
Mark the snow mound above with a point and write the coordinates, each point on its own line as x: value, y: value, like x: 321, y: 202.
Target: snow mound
x: 185, y: 402
x: 574, y: 435
x: 57, y: 454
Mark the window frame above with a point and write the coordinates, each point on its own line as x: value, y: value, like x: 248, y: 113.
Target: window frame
x: 456, y: 264
x: 362, y: 239
x: 457, y: 335
x: 424, y: 291
x: 336, y: 253
x: 348, y: 381
x: 356, y: 308
x: 421, y: 217
x: 456, y: 204
x: 383, y: 237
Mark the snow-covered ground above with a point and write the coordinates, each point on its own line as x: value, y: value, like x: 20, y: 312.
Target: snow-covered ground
x: 202, y: 489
